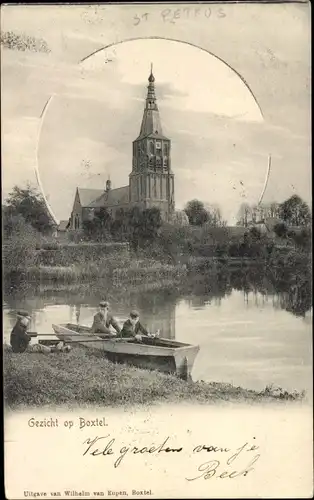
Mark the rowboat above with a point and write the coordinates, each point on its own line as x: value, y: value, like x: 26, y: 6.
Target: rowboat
x: 168, y: 356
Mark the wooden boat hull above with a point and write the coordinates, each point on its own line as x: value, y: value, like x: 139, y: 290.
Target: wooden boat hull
x: 164, y: 355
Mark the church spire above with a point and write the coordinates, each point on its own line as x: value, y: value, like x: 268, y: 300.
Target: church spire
x: 151, y: 76
x: 151, y: 101
x: 151, y: 121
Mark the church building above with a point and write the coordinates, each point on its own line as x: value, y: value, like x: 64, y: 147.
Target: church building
x: 151, y: 181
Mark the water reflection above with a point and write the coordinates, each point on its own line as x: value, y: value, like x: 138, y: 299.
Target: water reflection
x: 252, y: 329
x: 158, y: 308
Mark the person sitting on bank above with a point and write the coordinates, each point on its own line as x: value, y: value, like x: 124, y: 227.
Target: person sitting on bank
x: 103, y: 320
x: 19, y: 339
x: 133, y: 328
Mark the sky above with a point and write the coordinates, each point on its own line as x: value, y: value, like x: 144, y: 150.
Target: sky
x: 222, y: 129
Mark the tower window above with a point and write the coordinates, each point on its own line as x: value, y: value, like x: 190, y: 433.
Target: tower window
x: 158, y: 144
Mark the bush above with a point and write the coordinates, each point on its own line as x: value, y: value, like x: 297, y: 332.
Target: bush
x: 255, y: 233
x: 20, y: 247
x: 280, y: 230
x: 81, y: 253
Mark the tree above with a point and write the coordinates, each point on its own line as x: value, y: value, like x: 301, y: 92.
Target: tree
x: 144, y: 226
x: 244, y: 214
x: 295, y: 212
x: 99, y: 228
x: 119, y: 226
x: 301, y: 237
x: 214, y: 216
x: 281, y: 230
x: 196, y: 212
x: 31, y: 206
x: 273, y: 209
x: 255, y: 233
x: 254, y: 213
x: 19, y: 249
x: 150, y: 223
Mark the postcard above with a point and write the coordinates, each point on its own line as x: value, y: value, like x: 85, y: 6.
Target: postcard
x: 157, y: 229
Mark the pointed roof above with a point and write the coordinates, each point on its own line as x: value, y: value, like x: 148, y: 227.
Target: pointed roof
x: 151, y: 124
x: 88, y: 195
x: 118, y: 196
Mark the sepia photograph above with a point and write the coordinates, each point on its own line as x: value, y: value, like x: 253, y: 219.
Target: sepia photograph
x: 157, y: 237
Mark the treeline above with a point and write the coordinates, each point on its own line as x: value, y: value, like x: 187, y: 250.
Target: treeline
x: 204, y: 234
x: 293, y: 212
x: 140, y: 226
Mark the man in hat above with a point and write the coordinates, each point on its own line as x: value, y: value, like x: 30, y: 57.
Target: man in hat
x: 133, y: 328
x: 103, y: 320
x: 19, y: 339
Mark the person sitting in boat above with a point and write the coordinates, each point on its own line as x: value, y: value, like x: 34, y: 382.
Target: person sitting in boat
x: 133, y: 328
x: 103, y: 320
x: 19, y: 339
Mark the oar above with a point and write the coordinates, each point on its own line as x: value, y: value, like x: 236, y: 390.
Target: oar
x: 126, y: 339
x: 92, y: 337
x: 53, y: 334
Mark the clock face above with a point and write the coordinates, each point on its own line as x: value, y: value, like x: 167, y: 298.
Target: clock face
x: 158, y: 145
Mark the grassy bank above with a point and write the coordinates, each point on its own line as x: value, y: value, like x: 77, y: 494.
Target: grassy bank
x: 119, y: 271
x: 85, y: 378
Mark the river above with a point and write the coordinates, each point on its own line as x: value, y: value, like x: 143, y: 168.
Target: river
x: 250, y: 334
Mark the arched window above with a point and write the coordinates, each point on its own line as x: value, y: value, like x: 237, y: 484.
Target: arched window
x: 151, y: 147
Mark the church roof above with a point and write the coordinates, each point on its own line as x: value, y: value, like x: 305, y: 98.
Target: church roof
x: 111, y: 198
x: 88, y: 195
x: 154, y: 135
x: 151, y: 123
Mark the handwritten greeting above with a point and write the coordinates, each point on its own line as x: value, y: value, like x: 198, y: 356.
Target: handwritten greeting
x: 221, y: 462
x: 104, y: 446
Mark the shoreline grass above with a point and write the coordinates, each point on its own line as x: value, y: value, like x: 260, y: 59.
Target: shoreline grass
x: 85, y: 378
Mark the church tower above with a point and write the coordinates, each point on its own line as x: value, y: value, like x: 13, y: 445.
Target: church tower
x: 151, y: 180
